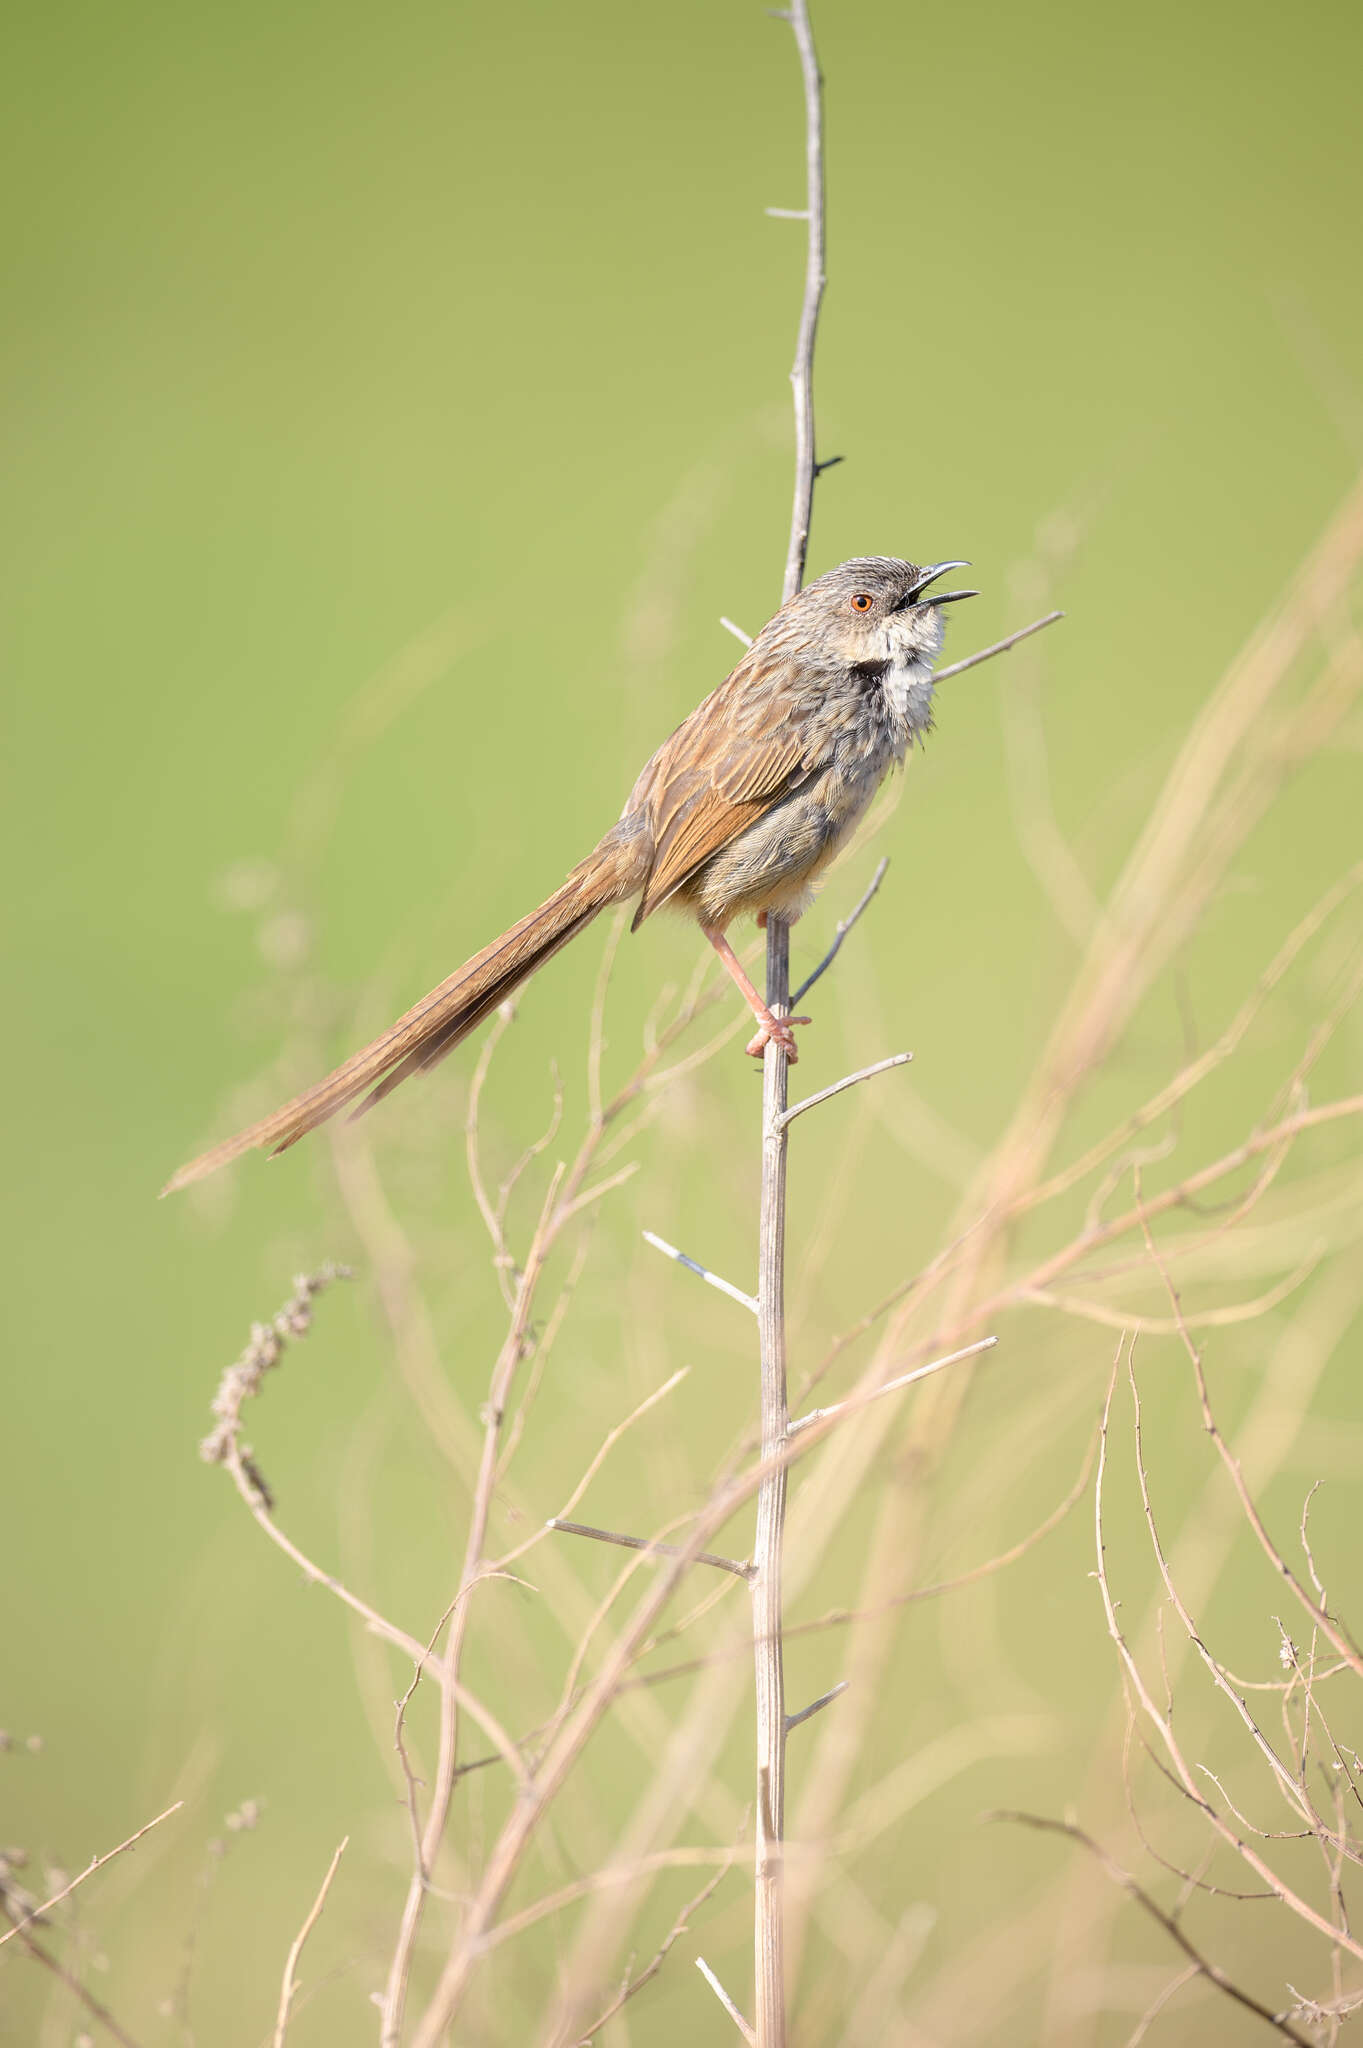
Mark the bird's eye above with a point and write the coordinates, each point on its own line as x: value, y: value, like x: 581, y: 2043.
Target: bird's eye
x: 861, y: 602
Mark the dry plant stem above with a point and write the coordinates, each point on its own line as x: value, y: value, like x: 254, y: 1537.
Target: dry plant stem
x: 1198, y: 1962
x: 722, y: 1995
x: 1213, y: 1668
x: 573, y: 1730
x: 896, y: 1059
x: 1160, y: 1722
x: 840, y: 931
x: 802, y: 370
x: 957, y: 668
x: 246, y: 1486
x: 563, y: 1200
x: 395, y: 1993
x: 840, y: 1617
x: 817, y: 1706
x: 95, y: 1863
x: 454, y: 1693
x: 647, y: 1543
x: 633, y: 1985
x: 75, y: 1987
x: 769, y: 1672
x: 1320, y: 1615
x: 603, y: 1451
x: 1158, y: 2003
x: 670, y: 1251
x: 905, y: 1379
x: 288, y: 1989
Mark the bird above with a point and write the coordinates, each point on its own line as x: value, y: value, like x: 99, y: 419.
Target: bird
x: 737, y: 814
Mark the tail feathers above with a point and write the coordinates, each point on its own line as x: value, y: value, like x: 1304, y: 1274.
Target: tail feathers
x: 429, y: 1030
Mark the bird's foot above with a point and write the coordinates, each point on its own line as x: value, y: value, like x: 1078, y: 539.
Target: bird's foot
x: 772, y: 1030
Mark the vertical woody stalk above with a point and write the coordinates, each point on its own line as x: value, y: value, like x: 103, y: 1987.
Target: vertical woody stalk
x: 769, y: 1915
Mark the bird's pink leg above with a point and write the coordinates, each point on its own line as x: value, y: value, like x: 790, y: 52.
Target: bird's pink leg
x: 770, y: 1028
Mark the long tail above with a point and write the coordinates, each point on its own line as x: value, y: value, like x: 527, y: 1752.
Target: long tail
x: 437, y: 1023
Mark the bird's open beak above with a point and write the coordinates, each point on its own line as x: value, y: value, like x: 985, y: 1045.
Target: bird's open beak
x: 930, y: 575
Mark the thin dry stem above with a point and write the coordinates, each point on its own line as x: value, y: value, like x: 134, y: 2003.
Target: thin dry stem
x: 1318, y: 1612
x: 1160, y: 1722
x: 840, y: 931
x: 650, y: 1546
x: 289, y: 1987
x: 748, y: 2033
x: 634, y: 1985
x: 894, y: 1386
x: 1123, y: 1878
x: 957, y: 668
x: 896, y: 1059
x: 670, y: 1251
x: 40, y: 1913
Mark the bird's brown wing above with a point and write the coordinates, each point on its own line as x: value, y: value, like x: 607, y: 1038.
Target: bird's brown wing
x: 721, y: 771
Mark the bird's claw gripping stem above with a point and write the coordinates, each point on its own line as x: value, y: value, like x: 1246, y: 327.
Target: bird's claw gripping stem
x: 773, y: 1030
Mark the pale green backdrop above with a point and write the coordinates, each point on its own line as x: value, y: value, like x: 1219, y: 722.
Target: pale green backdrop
x: 450, y: 343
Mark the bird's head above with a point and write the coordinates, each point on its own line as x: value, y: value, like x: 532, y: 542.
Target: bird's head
x: 877, y: 609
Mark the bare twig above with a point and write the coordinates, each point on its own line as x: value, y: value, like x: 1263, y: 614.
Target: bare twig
x: 1214, y: 1670
x: 816, y: 1706
x: 1332, y: 1630
x: 95, y: 1863
x: 896, y: 1059
x: 999, y: 647
x: 1119, y: 1876
x: 840, y: 931
x: 647, y: 1543
x: 1160, y: 1722
x: 802, y: 370
x: 769, y: 1675
x: 722, y: 1995
x: 702, y: 1272
x: 73, y: 1984
x: 603, y: 1451
x: 1158, y: 2003
x: 289, y: 1987
x: 905, y: 1379
x: 737, y: 631
x: 634, y: 1985
x: 769, y: 1672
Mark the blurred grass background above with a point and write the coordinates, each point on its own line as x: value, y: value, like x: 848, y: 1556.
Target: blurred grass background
x: 446, y: 346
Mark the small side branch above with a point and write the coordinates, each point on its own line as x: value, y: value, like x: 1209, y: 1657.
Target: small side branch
x: 1123, y: 1878
x: 839, y: 934
x: 894, y: 1386
x: 702, y: 1272
x: 722, y: 1995
x: 96, y: 1863
x: 896, y: 1059
x: 634, y: 1985
x: 289, y: 1988
x: 816, y: 1706
x: 646, y: 1543
x: 999, y: 647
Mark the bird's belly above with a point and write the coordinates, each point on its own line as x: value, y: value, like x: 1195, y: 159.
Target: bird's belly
x: 774, y: 864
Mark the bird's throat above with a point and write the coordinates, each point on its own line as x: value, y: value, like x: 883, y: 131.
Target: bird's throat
x: 907, y: 684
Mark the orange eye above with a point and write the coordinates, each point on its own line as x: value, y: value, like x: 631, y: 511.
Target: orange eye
x: 861, y: 602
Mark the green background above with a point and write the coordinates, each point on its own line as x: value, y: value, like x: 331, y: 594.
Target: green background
x: 447, y: 346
